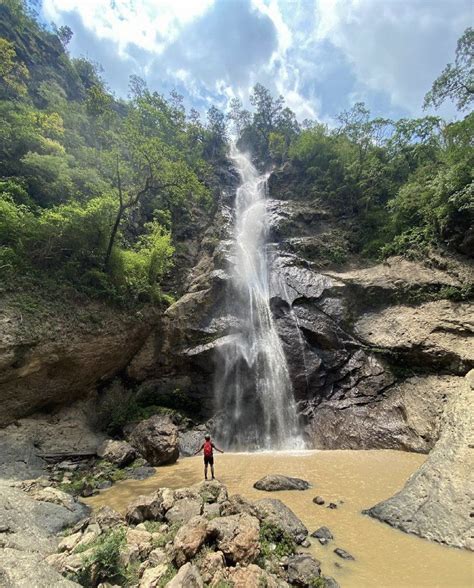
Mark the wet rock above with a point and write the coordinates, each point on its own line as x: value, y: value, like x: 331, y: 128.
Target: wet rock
x: 332, y: 505
x: 330, y: 582
x: 237, y: 536
x: 302, y: 570
x: 344, y: 554
x: 306, y: 543
x: 275, y: 482
x: 188, y: 576
x: 319, y: 500
x: 436, y: 501
x: 156, y: 439
x: 277, y: 513
x: 323, y: 534
x: 146, y: 508
x: 119, y: 453
x: 140, y: 473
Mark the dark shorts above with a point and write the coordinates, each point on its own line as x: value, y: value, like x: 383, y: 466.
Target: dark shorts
x: 209, y: 460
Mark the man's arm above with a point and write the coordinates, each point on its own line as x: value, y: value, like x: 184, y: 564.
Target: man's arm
x: 217, y: 448
x: 199, y: 450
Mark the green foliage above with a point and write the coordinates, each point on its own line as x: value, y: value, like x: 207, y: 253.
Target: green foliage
x: 103, y: 564
x: 274, y: 542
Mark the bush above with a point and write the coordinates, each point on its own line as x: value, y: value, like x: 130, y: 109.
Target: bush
x: 275, y: 542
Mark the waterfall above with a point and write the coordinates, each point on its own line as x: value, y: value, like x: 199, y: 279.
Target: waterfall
x: 253, y: 386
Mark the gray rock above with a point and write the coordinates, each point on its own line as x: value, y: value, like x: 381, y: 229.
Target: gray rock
x: 302, y: 570
x: 146, y: 508
x: 184, y: 510
x: 330, y: 582
x: 344, y: 554
x: 323, y: 534
x: 156, y: 439
x: 140, y: 473
x: 332, y: 505
x: 275, y: 482
x: 436, y: 501
x: 120, y: 453
x: 277, y: 513
x: 22, y: 569
x: 188, y: 576
x: 319, y: 500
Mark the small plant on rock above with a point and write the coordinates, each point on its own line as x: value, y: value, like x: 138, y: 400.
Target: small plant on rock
x: 274, y: 542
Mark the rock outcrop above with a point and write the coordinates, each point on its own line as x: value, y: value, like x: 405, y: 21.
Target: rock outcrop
x: 436, y: 502
x: 275, y: 482
x: 156, y: 439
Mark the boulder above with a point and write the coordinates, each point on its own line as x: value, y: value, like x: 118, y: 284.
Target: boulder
x: 152, y: 576
x: 302, y: 570
x: 188, y: 576
x: 253, y: 576
x: 183, y: 510
x: 237, y: 536
x: 211, y: 491
x: 189, y: 539
x: 277, y: 513
x: 146, y: 508
x: 436, y: 500
x: 29, y: 570
x: 156, y: 439
x: 106, y: 517
x: 319, y: 500
x: 343, y: 553
x: 275, y: 482
x: 212, y: 563
x: 237, y: 504
x: 323, y: 534
x: 119, y: 453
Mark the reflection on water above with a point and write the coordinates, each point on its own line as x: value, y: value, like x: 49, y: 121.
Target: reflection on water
x: 385, y: 557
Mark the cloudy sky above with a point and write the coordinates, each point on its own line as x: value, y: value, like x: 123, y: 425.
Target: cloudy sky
x: 322, y: 55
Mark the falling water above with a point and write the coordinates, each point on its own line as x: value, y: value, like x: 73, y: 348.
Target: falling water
x: 253, y: 386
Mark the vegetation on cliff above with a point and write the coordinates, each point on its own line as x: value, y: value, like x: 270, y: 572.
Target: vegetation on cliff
x: 102, y: 193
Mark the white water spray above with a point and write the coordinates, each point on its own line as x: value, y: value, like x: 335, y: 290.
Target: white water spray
x: 253, y: 386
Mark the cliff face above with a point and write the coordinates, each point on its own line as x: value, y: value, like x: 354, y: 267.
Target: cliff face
x: 374, y: 350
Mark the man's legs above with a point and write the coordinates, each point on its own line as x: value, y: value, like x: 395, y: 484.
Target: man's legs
x: 205, y: 470
x: 212, y: 470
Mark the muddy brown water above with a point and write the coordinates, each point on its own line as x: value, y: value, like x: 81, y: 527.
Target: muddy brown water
x: 385, y: 557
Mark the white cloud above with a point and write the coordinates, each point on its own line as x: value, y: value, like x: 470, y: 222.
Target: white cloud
x: 395, y: 46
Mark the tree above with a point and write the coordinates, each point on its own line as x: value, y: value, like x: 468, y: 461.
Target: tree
x: 65, y: 35
x: 456, y: 81
x: 13, y: 74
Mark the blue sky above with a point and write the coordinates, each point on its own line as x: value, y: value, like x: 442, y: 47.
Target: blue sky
x: 321, y: 55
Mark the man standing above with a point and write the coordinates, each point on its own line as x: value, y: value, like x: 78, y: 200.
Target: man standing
x: 208, y: 447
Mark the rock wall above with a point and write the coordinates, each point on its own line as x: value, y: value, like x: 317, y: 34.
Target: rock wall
x: 374, y: 350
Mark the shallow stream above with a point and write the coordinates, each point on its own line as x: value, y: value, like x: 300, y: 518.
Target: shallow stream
x: 385, y: 557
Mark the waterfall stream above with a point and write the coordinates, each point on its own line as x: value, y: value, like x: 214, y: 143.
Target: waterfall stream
x: 253, y: 386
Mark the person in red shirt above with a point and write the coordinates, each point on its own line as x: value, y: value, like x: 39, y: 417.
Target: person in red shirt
x: 208, y: 447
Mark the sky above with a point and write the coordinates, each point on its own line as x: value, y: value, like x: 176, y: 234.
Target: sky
x: 321, y: 55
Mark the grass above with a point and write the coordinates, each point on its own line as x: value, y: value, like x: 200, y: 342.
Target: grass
x: 274, y: 542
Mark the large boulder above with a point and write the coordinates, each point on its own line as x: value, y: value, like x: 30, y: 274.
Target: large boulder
x: 275, y: 482
x: 188, y: 576
x: 303, y: 570
x: 120, y: 453
x: 146, y: 508
x: 237, y: 536
x: 436, y: 502
x: 278, y: 514
x: 156, y: 439
x: 189, y: 539
x: 26, y: 569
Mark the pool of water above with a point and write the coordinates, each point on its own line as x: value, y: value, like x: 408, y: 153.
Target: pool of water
x: 385, y: 557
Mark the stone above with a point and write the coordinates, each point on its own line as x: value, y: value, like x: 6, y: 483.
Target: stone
x: 211, y: 511
x: 211, y: 491
x: 319, y: 500
x: 119, y: 453
x: 237, y: 504
x: 237, y: 536
x: 29, y: 569
x: 189, y: 539
x: 188, y: 576
x: 142, y: 539
x: 275, y: 482
x: 156, y: 439
x: 107, y: 518
x: 323, y: 534
x: 152, y: 576
x: 145, y: 508
x: 306, y: 543
x: 435, y: 503
x: 332, y: 505
x: 210, y: 565
x: 69, y: 542
x: 277, y: 513
x: 330, y: 582
x: 344, y: 554
x: 252, y: 576
x: 302, y: 570
x: 183, y: 510
x: 158, y: 556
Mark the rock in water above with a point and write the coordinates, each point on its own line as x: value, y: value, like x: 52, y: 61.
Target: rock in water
x: 156, y: 439
x: 303, y: 569
x: 120, y: 453
x: 277, y: 513
x: 343, y: 553
x: 275, y: 482
x: 323, y: 534
x: 435, y: 502
x: 318, y: 500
